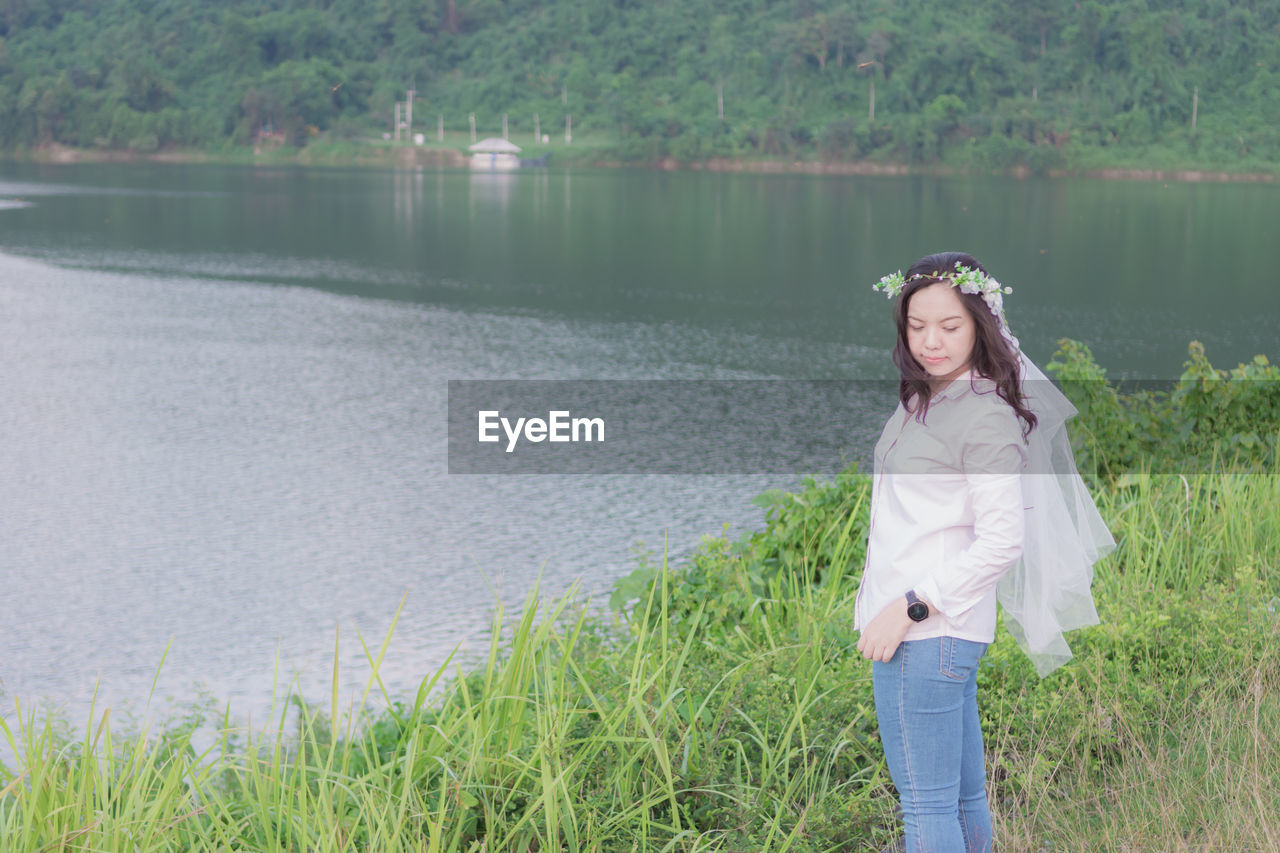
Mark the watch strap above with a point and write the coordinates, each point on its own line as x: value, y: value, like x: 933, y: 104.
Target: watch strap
x: 917, y: 610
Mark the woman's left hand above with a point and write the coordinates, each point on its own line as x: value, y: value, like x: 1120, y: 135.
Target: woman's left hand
x: 881, y: 638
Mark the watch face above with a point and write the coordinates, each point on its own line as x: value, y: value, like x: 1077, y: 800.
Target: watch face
x: 918, y: 612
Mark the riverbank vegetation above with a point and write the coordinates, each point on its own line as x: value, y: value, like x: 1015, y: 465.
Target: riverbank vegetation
x: 722, y: 705
x: 979, y: 84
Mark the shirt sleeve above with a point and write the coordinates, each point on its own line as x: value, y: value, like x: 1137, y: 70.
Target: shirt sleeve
x: 992, y: 457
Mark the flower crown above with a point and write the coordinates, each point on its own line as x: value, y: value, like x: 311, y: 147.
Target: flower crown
x: 967, y: 279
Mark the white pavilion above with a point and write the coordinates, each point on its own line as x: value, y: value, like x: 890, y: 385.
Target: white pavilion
x: 495, y: 154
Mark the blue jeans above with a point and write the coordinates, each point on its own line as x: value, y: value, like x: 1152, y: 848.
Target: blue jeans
x: 927, y: 711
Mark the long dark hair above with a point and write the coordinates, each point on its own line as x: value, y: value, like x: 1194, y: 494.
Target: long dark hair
x: 992, y: 356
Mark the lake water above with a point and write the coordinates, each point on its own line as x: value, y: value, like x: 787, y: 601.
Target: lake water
x: 225, y: 388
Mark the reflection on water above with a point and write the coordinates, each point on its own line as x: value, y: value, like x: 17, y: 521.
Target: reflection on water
x: 494, y: 189
x: 407, y: 195
x: 488, y: 193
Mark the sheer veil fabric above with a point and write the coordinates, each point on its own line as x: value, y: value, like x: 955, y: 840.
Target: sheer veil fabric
x: 1047, y: 590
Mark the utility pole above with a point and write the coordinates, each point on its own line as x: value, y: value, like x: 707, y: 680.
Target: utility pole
x: 440, y: 127
x: 473, y: 128
x: 1195, y: 105
x: 409, y: 112
x: 537, y: 131
x: 568, y: 129
x: 720, y: 100
x: 874, y: 63
x: 397, y: 127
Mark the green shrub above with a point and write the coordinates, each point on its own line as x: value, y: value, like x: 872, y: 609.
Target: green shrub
x: 837, y: 141
x: 145, y: 143
x: 816, y: 534
x: 1210, y: 413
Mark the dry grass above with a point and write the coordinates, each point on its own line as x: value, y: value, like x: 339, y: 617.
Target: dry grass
x: 1200, y: 779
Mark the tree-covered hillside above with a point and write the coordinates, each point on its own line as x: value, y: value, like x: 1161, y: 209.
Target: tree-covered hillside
x: 994, y: 83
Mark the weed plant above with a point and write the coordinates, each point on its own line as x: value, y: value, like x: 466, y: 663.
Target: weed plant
x: 722, y: 706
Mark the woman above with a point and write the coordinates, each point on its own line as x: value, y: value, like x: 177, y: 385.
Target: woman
x: 968, y: 502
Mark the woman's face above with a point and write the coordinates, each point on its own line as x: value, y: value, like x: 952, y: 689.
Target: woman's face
x: 940, y: 331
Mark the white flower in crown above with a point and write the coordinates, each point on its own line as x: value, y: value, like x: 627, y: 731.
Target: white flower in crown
x: 891, y: 284
x: 968, y: 280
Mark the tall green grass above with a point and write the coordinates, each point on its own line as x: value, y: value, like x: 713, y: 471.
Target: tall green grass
x: 694, y: 724
x: 1182, y: 532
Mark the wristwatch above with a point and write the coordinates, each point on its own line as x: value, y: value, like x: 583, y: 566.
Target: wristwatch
x: 917, y: 610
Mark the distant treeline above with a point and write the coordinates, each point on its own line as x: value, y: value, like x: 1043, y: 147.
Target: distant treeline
x: 996, y: 83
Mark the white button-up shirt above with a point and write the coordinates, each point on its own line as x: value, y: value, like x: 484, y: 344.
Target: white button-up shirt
x: 946, y: 511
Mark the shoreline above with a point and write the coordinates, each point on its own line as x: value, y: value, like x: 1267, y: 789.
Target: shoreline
x: 872, y: 167
x: 411, y: 157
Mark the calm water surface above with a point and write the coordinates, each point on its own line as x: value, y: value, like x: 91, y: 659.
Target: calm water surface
x: 224, y: 387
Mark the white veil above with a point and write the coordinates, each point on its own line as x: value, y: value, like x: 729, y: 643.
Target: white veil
x: 1046, y: 591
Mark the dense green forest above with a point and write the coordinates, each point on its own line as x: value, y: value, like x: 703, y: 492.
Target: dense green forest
x: 989, y: 83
